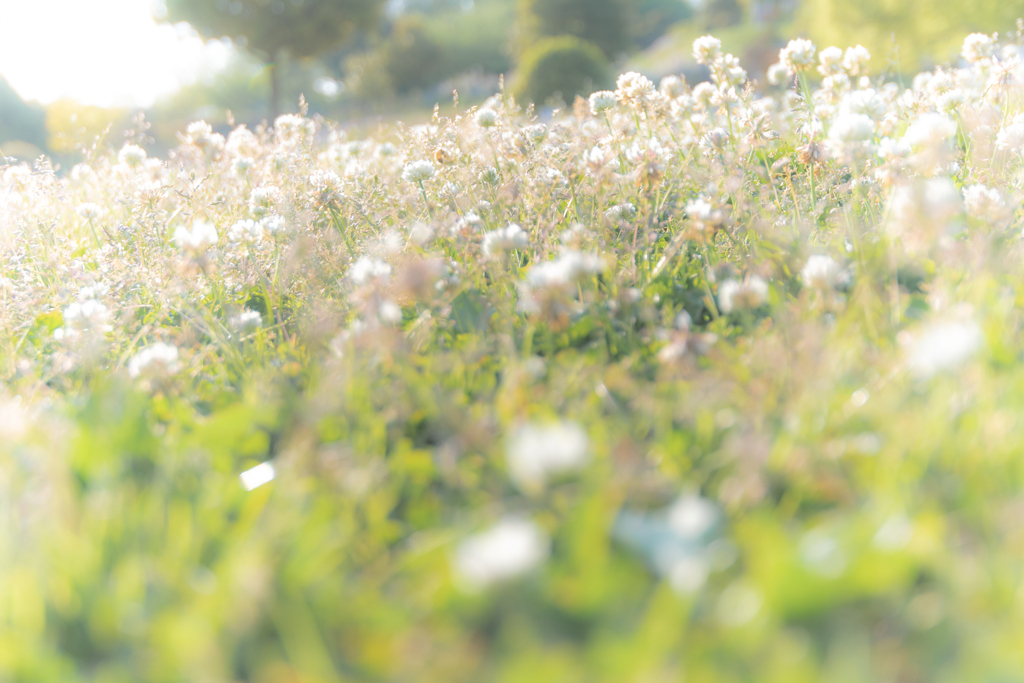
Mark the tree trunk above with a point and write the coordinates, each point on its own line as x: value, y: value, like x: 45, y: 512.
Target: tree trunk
x: 275, y: 86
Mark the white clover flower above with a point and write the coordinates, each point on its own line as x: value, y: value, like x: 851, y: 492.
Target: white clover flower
x: 798, y: 55
x: 245, y: 230
x: 242, y: 164
x: 985, y: 203
x: 418, y: 171
x: 536, y: 452
x: 747, y: 294
x: 262, y: 199
x: 706, y: 49
x: 855, y: 60
x: 830, y: 61
x: 821, y: 271
x: 698, y: 208
x: 247, y: 321
x: 89, y: 211
x: 977, y: 47
x: 691, y: 517
x: 672, y: 86
x: 489, y: 176
x: 202, y: 234
x: 324, y: 181
x: 726, y: 71
x: 386, y: 149
x: 200, y: 133
x: 535, y: 133
x: 242, y: 142
x: 94, y: 291
x: 157, y: 361
x: 634, y: 90
x: 929, y: 131
x: 836, y: 83
x: 865, y: 102
x: 1011, y: 136
x: 509, y: 549
x: 950, y: 101
x: 849, y: 128
x: 944, y: 346
x: 565, y: 270
x: 602, y: 101
x: 505, y: 239
x: 778, y: 74
x: 486, y: 117
x: 368, y: 269
x: 81, y: 172
x: 131, y: 155
x: 289, y: 128
x: 86, y: 316
x: 389, y: 312
x: 273, y: 224
x: 624, y: 211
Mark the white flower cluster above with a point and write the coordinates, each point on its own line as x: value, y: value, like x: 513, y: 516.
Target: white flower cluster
x: 539, y: 451
x: 157, y: 361
x: 505, y: 239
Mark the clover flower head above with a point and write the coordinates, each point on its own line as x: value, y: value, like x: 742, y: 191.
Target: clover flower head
x: 798, y: 55
x: 247, y: 320
x: 89, y: 211
x: 201, y: 235
x: 131, y: 155
x: 634, y: 90
x: 740, y: 295
x: 418, y: 171
x: 601, y: 101
x: 262, y: 199
x: 486, y: 117
x: 850, y: 128
x: 978, y: 47
x: 537, y: 451
x: 821, y: 271
x: 245, y: 230
x: 509, y: 549
x: 368, y: 269
x: 505, y: 239
x: 830, y: 61
x: 855, y: 60
x: 706, y: 49
x: 154, y: 362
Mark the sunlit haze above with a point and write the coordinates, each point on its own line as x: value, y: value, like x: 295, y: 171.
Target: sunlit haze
x: 100, y: 52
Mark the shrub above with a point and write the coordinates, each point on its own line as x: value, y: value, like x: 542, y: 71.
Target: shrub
x: 562, y: 65
x: 605, y: 23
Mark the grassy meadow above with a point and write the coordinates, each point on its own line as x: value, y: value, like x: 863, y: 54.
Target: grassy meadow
x: 687, y: 382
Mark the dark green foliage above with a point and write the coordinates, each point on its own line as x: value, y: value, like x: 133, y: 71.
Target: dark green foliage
x: 303, y: 29
x: 605, y: 23
x: 562, y: 65
x: 653, y: 17
x: 20, y: 120
x: 270, y: 29
x: 722, y: 13
x: 412, y: 57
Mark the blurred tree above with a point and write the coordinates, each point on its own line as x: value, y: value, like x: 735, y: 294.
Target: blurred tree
x: 722, y: 13
x: 20, y: 120
x: 563, y: 66
x: 653, y: 17
x: 274, y: 28
x: 412, y: 57
x: 604, y: 23
x: 923, y: 31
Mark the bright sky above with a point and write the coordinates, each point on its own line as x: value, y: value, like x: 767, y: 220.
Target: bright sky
x: 102, y: 52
